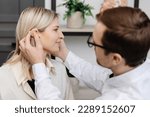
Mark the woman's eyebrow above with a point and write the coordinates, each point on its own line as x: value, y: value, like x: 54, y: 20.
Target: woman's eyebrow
x: 56, y: 26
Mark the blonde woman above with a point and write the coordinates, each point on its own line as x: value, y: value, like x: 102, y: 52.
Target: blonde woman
x: 16, y: 75
x: 112, y: 3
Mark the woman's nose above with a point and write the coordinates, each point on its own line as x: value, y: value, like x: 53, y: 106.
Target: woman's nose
x: 61, y: 35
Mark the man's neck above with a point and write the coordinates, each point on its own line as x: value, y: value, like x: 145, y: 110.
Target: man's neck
x: 118, y: 70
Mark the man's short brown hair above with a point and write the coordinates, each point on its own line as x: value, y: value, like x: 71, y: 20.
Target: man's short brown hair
x: 127, y: 33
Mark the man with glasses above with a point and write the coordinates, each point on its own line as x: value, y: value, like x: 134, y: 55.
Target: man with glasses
x: 121, y: 40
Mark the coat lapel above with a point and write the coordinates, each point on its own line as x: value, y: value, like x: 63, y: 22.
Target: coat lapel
x: 22, y: 79
x: 28, y: 89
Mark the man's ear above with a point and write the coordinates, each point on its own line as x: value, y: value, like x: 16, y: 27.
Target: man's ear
x: 116, y: 59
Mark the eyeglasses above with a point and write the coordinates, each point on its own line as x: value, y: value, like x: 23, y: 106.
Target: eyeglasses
x: 91, y: 43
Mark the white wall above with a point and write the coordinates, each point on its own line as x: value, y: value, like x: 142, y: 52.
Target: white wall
x: 48, y: 4
x: 145, y: 6
x: 90, y: 20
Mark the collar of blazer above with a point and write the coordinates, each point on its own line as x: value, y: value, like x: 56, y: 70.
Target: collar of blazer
x: 22, y: 79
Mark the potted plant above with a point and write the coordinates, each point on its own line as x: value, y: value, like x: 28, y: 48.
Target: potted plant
x: 76, y: 12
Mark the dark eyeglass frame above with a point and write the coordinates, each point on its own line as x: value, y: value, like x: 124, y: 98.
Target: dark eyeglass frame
x: 90, y: 44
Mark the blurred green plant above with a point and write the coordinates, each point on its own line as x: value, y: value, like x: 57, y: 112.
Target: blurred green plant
x: 77, y: 5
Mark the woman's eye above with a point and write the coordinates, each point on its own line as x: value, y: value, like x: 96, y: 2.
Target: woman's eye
x: 56, y: 29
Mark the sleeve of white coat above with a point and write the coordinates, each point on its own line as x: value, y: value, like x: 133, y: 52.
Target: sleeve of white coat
x: 92, y: 75
x: 44, y: 88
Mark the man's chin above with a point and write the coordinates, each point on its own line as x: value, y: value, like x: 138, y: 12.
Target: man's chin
x: 99, y: 63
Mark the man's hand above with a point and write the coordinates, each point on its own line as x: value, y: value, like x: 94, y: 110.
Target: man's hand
x: 33, y: 53
x: 63, y: 51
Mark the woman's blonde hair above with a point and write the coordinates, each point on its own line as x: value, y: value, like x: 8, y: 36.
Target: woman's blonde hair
x: 30, y: 18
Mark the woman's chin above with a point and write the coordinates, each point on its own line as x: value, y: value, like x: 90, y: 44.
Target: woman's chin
x: 53, y: 51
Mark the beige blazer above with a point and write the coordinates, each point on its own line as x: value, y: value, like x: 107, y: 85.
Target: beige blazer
x: 14, y: 86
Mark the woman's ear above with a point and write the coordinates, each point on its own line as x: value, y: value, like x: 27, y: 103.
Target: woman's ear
x: 34, y: 30
x: 34, y: 34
